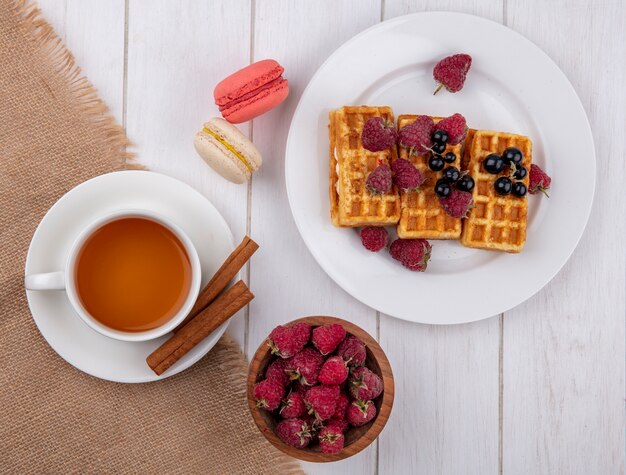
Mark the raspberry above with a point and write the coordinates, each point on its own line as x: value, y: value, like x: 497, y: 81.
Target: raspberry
x: 456, y: 128
x: 321, y: 401
x: 305, y: 366
x: 539, y: 181
x: 293, y: 406
x: 294, y: 432
x: 342, y: 424
x: 417, y: 136
x: 412, y: 253
x: 352, y: 350
x: 405, y: 175
x: 276, y: 372
x: 364, y: 384
x: 268, y: 394
x: 327, y: 337
x: 334, y: 371
x: 342, y: 405
x: 452, y: 71
x: 331, y: 439
x: 360, y: 412
x: 457, y: 203
x: 378, y: 134
x: 286, y: 341
x: 379, y: 180
x: 374, y: 238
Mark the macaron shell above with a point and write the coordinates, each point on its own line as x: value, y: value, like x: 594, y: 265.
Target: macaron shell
x: 257, y: 105
x: 220, y: 159
x: 246, y: 80
x: 237, y: 140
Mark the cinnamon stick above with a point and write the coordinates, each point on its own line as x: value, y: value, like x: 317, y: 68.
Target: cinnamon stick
x: 230, y: 268
x: 188, y: 336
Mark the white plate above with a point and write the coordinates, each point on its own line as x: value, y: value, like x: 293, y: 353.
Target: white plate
x: 512, y: 86
x: 66, y: 333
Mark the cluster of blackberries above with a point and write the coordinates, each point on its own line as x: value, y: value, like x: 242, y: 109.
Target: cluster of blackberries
x: 511, y: 157
x: 450, y: 175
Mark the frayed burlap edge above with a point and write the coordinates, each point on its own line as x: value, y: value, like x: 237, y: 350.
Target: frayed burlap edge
x: 41, y: 33
x: 88, y: 102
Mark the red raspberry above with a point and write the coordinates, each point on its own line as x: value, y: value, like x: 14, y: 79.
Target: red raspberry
x: 374, y: 238
x: 456, y: 128
x: 352, y: 350
x: 276, y: 372
x: 452, y: 71
x: 342, y: 424
x: 321, y: 401
x: 364, y: 384
x: 342, y: 405
x: 327, y: 337
x: 360, y: 412
x: 305, y: 366
x: 417, y: 136
x: 405, y: 175
x: 379, y: 180
x: 268, y: 394
x: 286, y: 341
x: 294, y: 432
x: 378, y: 134
x: 412, y: 253
x: 331, y: 439
x: 334, y: 371
x: 293, y: 406
x: 539, y: 181
x: 457, y: 203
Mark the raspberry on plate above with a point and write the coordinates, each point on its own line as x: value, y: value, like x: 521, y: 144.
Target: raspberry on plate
x: 417, y: 136
x: 539, y: 181
x: 451, y: 72
x: 456, y: 128
x: 378, y: 134
x: 379, y: 181
x: 413, y: 254
x: 374, y: 238
x: 405, y: 175
x: 286, y: 341
x: 457, y: 203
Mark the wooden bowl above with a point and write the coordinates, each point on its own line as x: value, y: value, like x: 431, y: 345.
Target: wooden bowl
x: 356, y: 438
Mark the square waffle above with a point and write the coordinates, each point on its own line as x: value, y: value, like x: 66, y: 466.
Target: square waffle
x: 351, y: 204
x: 496, y: 222
x: 422, y: 217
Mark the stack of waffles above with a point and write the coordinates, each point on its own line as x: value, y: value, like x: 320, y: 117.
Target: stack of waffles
x: 496, y: 222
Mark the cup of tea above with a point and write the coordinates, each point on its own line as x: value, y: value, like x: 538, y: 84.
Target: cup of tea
x: 132, y: 275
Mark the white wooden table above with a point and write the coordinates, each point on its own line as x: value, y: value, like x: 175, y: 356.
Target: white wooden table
x: 539, y: 389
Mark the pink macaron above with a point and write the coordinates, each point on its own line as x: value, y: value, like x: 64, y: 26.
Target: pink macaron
x: 251, y: 91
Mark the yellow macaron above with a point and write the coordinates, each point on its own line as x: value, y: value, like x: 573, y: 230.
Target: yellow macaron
x: 225, y: 149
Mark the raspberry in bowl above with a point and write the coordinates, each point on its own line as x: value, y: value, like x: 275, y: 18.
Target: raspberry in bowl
x: 334, y: 384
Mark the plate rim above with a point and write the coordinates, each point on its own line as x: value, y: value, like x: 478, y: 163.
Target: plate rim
x: 148, y: 379
x: 463, y: 17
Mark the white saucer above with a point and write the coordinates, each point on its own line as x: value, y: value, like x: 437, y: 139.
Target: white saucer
x: 512, y: 86
x: 66, y: 333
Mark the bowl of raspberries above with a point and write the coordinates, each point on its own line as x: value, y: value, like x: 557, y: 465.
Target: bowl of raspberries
x: 320, y: 389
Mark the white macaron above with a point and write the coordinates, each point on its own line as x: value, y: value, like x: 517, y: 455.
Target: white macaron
x: 229, y: 152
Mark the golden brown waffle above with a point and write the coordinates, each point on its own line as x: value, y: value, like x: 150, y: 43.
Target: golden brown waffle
x: 351, y: 204
x: 422, y: 217
x: 496, y: 222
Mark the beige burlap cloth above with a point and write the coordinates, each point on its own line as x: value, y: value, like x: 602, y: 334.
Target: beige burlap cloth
x: 53, y: 418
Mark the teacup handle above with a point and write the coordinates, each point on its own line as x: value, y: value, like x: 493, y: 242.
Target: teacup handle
x: 45, y: 281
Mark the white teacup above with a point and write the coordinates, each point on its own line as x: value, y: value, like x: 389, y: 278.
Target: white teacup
x: 65, y: 279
